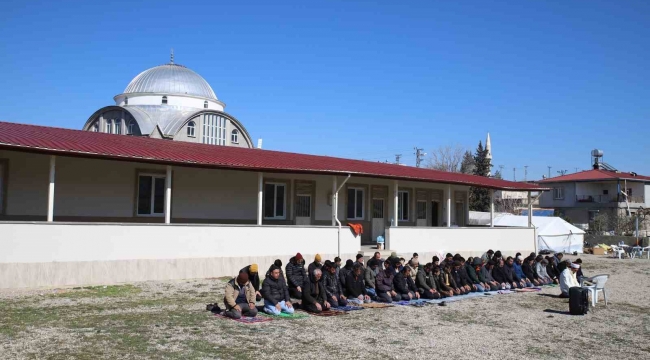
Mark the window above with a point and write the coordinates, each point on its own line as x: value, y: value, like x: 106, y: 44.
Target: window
x: 126, y: 100
x: 274, y: 201
x: 130, y: 128
x: 605, y: 192
x: 190, y: 129
x: 214, y: 130
x: 3, y: 182
x: 558, y: 193
x: 164, y: 100
x: 151, y: 195
x: 118, y: 127
x: 355, y: 203
x: 403, y: 205
x: 422, y: 209
x: 377, y: 208
x: 234, y: 137
x: 205, y: 104
x: 109, y: 126
x: 95, y: 127
x: 460, y: 214
x: 303, y: 206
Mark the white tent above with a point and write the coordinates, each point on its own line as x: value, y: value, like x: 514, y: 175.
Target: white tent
x: 553, y: 233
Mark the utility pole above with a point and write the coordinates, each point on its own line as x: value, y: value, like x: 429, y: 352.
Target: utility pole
x: 576, y: 169
x: 549, y: 172
x: 397, y: 157
x: 562, y: 172
x: 514, y: 174
x: 525, y: 172
x: 419, y: 155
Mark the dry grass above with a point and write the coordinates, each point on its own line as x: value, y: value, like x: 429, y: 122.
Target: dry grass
x: 167, y: 320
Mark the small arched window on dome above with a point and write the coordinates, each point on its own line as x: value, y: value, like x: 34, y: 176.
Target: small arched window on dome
x: 234, y: 136
x: 205, y: 104
x: 190, y: 129
x: 130, y: 127
x: 164, y: 100
x: 126, y: 100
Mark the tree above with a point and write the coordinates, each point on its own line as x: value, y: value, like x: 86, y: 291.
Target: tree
x: 479, y: 198
x: 467, y: 165
x: 446, y: 158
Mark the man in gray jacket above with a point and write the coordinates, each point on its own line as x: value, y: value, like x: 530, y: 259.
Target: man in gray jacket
x: 370, y: 278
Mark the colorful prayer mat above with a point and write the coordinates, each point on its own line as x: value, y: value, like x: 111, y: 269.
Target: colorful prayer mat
x: 376, y: 305
x: 528, y: 290
x: 348, y: 308
x: 247, y: 320
x: 325, y: 313
x: 286, y: 316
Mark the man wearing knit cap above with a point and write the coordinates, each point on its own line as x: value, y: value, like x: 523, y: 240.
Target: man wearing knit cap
x: 296, y: 276
x: 240, y: 297
x: 568, y: 279
x: 254, y: 278
x: 343, y: 273
x: 317, y: 264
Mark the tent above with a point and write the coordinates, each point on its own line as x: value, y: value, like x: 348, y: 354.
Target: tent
x: 553, y: 233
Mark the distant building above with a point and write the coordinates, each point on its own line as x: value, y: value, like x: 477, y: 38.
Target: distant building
x: 603, y: 190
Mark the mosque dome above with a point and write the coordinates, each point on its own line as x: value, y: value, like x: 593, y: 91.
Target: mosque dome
x: 170, y: 79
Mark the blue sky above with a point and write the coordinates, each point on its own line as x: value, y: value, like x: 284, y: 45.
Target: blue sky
x: 363, y: 79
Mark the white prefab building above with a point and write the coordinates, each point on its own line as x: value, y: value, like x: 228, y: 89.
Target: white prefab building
x: 100, y: 207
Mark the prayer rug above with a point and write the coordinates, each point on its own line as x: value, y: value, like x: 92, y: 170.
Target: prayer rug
x: 246, y: 320
x: 286, y: 316
x: 325, y: 313
x: 348, y: 308
x: 502, y: 292
x: 528, y: 290
x: 376, y: 305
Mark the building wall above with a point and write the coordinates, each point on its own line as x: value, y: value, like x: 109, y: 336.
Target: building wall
x: 546, y: 199
x: 172, y: 100
x: 181, y: 135
x: 68, y: 254
x: 647, y: 195
x: 467, y: 241
x: 105, y: 190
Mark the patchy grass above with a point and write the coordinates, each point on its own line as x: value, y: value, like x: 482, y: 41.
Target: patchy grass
x: 167, y: 320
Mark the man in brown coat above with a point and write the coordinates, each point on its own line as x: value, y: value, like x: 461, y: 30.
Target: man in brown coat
x: 240, y: 297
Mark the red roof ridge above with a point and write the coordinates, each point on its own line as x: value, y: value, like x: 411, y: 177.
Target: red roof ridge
x: 58, y: 140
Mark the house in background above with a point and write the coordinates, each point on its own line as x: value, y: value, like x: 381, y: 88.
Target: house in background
x: 603, y: 190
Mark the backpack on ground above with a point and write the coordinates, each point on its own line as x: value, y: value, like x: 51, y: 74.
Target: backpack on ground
x: 578, y: 301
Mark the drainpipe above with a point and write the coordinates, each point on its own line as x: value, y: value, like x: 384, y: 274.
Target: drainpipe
x: 335, y: 203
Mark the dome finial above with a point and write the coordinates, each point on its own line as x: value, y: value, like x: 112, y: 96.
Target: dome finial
x: 171, y: 60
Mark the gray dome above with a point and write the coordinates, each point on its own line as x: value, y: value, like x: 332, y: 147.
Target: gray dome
x: 171, y: 79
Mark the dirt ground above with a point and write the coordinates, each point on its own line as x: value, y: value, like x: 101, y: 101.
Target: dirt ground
x: 167, y: 320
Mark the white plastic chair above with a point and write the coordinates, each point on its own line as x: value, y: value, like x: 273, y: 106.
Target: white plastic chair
x: 618, y: 251
x: 647, y: 251
x: 599, y: 286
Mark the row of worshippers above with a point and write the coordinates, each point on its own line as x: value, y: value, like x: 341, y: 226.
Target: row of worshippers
x: 324, y: 285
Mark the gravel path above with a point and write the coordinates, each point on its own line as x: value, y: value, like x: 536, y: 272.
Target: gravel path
x: 167, y: 320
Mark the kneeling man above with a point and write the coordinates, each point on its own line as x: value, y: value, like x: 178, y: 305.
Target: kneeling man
x: 240, y: 297
x: 276, y: 293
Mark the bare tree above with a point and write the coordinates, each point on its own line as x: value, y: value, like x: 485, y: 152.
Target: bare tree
x: 447, y: 158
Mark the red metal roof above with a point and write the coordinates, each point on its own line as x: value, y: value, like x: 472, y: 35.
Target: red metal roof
x: 596, y: 175
x: 120, y: 147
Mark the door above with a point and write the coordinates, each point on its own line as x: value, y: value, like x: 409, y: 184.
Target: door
x: 435, y: 214
x: 378, y: 221
x: 303, y: 210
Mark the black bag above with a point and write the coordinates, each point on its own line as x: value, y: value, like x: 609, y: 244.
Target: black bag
x: 578, y: 301
x: 214, y: 308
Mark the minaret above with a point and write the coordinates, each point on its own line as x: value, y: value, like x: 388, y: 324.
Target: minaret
x: 488, y: 147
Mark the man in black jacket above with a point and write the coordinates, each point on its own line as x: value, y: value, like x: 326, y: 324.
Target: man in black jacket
x: 332, y: 286
x: 355, y: 287
x: 511, y: 277
x: 276, y: 293
x: 461, y: 281
x: 499, y: 275
x: 404, y: 285
x: 317, y: 264
x: 529, y: 270
x: 296, y: 276
x: 469, y: 271
x: 426, y: 283
x: 314, y: 295
x: 384, y: 284
x: 448, y: 280
x: 343, y: 273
